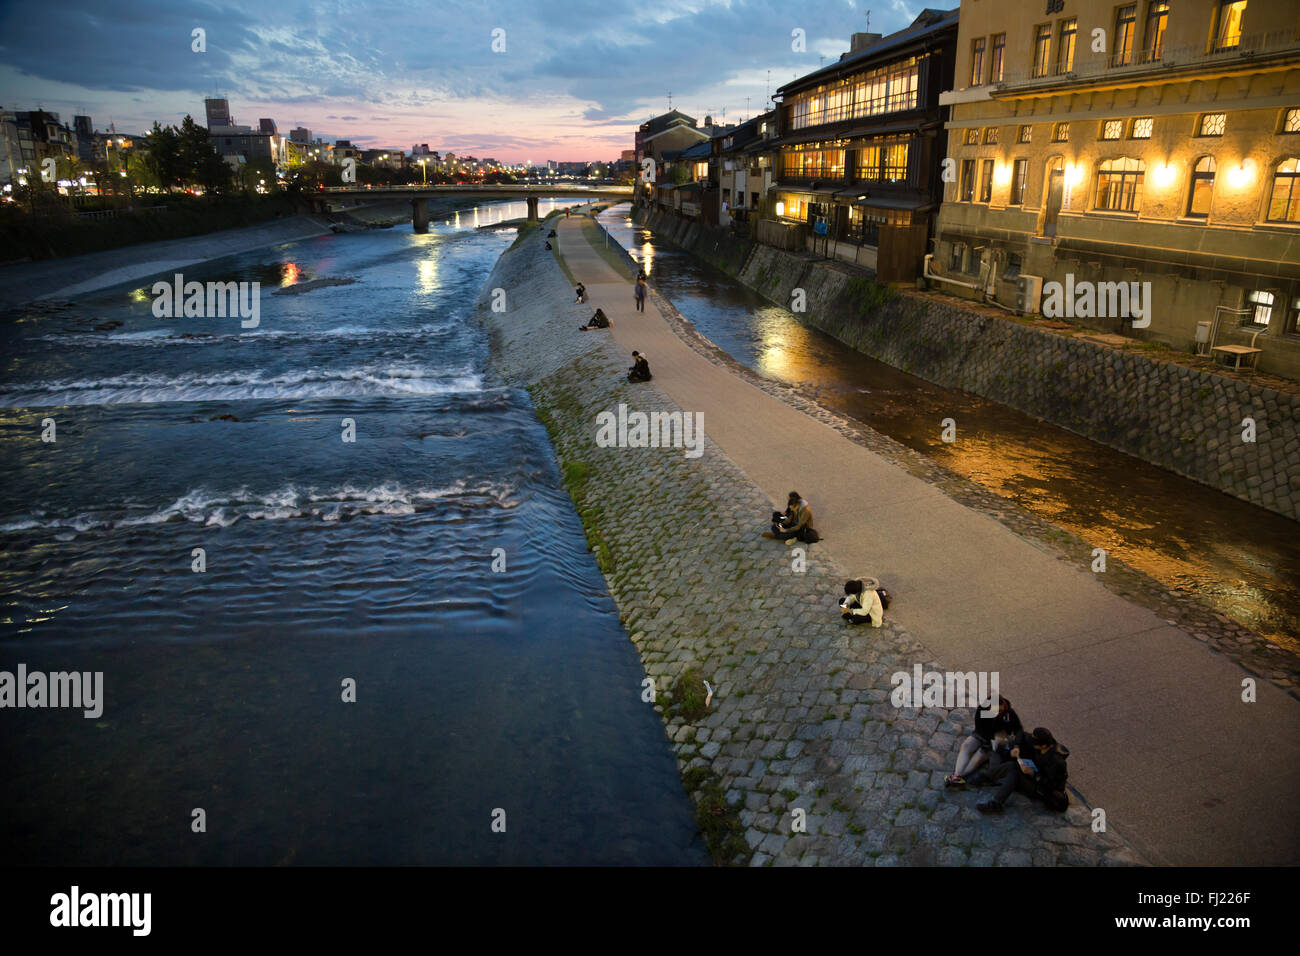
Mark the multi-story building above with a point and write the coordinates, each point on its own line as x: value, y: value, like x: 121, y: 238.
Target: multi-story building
x: 744, y: 159
x: 861, y: 141
x: 669, y: 133
x: 32, y: 136
x: 1151, y: 141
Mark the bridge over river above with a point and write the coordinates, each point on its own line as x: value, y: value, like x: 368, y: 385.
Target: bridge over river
x: 419, y: 195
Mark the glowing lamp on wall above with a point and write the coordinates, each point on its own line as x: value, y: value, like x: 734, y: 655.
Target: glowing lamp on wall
x: 1164, y: 175
x: 1242, y: 175
x: 1074, y: 174
x: 780, y: 209
x: 1002, y: 175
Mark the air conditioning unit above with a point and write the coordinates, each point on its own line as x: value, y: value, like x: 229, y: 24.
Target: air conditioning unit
x: 1029, y: 294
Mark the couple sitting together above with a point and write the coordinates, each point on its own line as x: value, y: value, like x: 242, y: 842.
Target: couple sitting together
x: 1034, y: 764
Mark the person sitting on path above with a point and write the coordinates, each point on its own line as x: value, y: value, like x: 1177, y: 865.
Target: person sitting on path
x: 976, y: 748
x: 640, y: 371
x: 551, y: 234
x: 581, y: 293
x: 795, y: 525
x: 1035, y: 765
x: 598, y: 321
x: 861, y: 603
x: 640, y: 292
x: 548, y: 245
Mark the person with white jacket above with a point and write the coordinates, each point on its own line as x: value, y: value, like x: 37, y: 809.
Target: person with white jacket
x: 861, y: 603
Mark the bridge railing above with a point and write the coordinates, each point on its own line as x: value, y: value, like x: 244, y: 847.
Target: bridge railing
x: 482, y: 187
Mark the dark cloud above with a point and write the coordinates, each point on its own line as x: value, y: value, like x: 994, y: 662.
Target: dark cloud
x: 607, y: 63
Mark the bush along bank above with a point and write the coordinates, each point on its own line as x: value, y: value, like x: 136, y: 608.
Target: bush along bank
x: 1238, y: 437
x: 798, y: 756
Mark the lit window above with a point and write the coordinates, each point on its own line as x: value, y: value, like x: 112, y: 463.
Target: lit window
x: 1202, y: 188
x: 1157, y: 19
x: 972, y: 137
x: 1112, y: 129
x: 1284, y: 203
x: 1261, y: 309
x: 1293, y: 318
x: 1125, y: 27
x: 991, y: 136
x: 1061, y: 133
x: 1142, y: 127
x: 1212, y: 124
x: 1227, y: 24
x: 1065, y: 46
x: 1119, y: 184
x: 1042, y: 48
x: 1291, y: 121
x: 1026, y: 134
x: 986, y: 181
x: 977, y: 62
x: 999, y: 57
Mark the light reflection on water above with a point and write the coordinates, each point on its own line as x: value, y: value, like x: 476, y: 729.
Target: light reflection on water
x: 1239, y: 559
x: 324, y: 560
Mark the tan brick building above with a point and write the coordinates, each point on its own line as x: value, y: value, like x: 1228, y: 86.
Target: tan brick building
x: 1149, y: 141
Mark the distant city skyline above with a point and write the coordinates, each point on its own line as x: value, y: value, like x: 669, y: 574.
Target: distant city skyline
x: 571, y: 84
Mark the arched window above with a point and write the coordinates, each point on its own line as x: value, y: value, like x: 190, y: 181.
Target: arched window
x: 1201, y: 190
x: 1119, y: 184
x: 1284, y: 203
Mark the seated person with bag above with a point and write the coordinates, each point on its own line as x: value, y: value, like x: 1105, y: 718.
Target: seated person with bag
x: 861, y: 602
x: 598, y: 321
x: 796, y: 524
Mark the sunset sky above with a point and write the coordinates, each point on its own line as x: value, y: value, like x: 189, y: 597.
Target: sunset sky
x: 575, y: 79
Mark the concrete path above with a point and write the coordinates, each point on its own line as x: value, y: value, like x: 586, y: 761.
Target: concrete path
x: 1160, y: 737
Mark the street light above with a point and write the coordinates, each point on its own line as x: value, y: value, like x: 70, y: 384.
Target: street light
x: 424, y: 173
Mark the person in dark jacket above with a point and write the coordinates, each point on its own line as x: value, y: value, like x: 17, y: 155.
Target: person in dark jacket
x: 795, y: 523
x: 598, y: 321
x: 976, y: 748
x: 640, y: 371
x: 1044, y: 781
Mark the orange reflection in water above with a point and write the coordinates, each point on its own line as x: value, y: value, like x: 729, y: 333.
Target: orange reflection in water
x: 290, y: 274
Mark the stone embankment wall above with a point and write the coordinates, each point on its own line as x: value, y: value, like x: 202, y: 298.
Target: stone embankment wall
x: 800, y: 723
x: 1189, y: 421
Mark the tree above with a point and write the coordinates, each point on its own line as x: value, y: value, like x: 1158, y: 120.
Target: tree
x: 163, y: 152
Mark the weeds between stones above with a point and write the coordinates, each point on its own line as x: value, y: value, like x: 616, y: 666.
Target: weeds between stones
x: 717, y: 821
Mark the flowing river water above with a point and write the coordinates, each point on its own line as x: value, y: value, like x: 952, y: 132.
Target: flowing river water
x: 1241, y: 560
x: 436, y: 562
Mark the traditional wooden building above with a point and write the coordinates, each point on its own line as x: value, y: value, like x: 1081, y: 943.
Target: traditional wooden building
x: 861, y: 143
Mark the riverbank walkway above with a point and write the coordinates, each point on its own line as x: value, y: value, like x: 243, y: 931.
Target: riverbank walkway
x: 1161, y: 739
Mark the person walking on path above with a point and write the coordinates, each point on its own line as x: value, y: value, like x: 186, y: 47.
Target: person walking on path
x: 640, y: 292
x: 976, y: 748
x: 640, y: 370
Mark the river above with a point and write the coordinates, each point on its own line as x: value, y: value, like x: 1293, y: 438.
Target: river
x: 1239, y: 559
x: 432, y: 569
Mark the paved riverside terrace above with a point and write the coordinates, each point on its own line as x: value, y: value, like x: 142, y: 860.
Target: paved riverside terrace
x: 1159, y: 735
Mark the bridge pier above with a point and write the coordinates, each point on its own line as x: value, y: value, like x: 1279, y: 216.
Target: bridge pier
x: 532, y: 208
x: 420, y: 215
